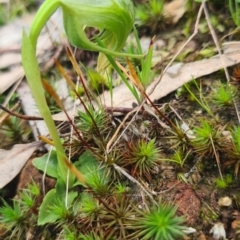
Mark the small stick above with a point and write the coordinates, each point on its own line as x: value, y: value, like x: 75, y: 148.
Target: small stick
x: 216, y: 42
x: 217, y: 157
x: 132, y: 179
x: 6, y: 115
x: 120, y: 109
x: 21, y: 116
x: 180, y: 50
x: 110, y: 142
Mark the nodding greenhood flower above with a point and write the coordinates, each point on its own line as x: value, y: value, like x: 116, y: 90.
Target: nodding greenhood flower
x: 114, y: 19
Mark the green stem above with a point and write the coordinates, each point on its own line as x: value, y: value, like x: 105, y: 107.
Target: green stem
x: 32, y: 72
x: 42, y: 16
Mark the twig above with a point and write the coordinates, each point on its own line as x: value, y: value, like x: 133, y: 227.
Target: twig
x: 18, y: 115
x: 124, y: 110
x: 108, y: 149
x: 6, y: 115
x: 132, y: 179
x: 216, y: 42
x: 136, y: 110
x: 70, y: 148
x: 217, y: 157
x: 180, y: 50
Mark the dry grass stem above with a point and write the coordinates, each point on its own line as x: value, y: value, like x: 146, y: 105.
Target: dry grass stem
x: 216, y: 42
x: 110, y: 142
x: 180, y: 50
x: 132, y: 179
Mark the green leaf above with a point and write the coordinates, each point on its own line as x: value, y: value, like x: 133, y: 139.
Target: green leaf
x: 86, y: 162
x: 146, y: 64
x: 115, y: 66
x: 45, y: 215
x: 87, y: 165
x: 40, y: 164
x: 60, y: 188
x: 46, y: 212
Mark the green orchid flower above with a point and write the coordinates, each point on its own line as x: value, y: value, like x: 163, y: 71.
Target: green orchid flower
x: 113, y: 18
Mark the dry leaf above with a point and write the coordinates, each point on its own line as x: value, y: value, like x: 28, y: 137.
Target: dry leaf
x: 11, y: 37
x: 175, y: 10
x: 9, y: 59
x: 235, y: 224
x: 9, y: 78
x: 29, y: 105
x: 12, y: 161
x: 122, y: 96
x: 134, y: 77
x: 195, y: 70
x: 170, y: 82
x: 202, y: 236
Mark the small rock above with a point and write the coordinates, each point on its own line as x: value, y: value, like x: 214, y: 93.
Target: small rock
x: 174, y: 70
x: 189, y: 230
x: 225, y: 202
x: 218, y: 231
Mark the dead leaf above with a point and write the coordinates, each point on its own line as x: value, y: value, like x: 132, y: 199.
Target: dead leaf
x: 9, y: 59
x: 175, y: 10
x: 202, y: 236
x: 195, y: 70
x: 11, y: 37
x: 170, y: 81
x: 134, y: 77
x: 12, y: 161
x: 29, y: 105
x: 9, y: 78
